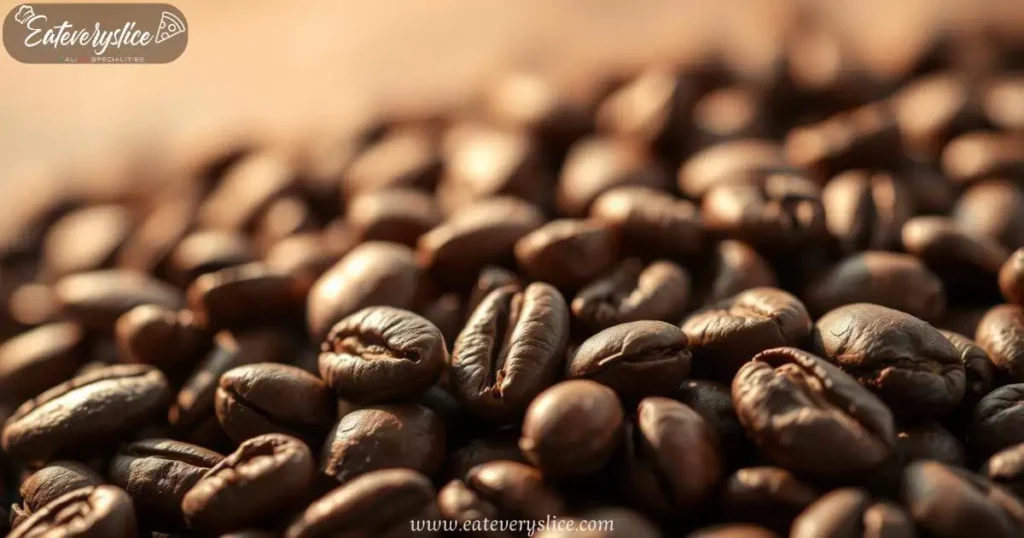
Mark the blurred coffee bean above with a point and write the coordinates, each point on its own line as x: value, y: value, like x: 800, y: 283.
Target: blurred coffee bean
x: 865, y: 210
x: 768, y: 496
x: 395, y: 215
x: 931, y: 190
x: 1003, y: 99
x: 932, y: 110
x: 530, y: 102
x: 39, y: 359
x: 998, y: 420
x: 499, y: 490
x: 714, y: 402
x: 1011, y: 278
x: 489, y: 279
x: 208, y: 251
x: 1006, y: 468
x: 652, y: 223
x: 733, y: 530
x: 86, y: 239
x: 653, y: 108
x: 994, y: 209
x: 31, y: 304
x: 729, y: 113
x: 978, y: 367
x: 503, y: 445
x: 163, y: 227
x: 850, y: 513
x: 284, y: 217
x: 943, y: 503
x: 567, y: 253
x: 304, y: 257
x: 968, y: 264
x: 734, y: 268
x: 246, y: 189
x: 96, y: 299
x: 1001, y: 334
x: 866, y: 136
x: 930, y: 441
x: 407, y: 156
x: 740, y: 162
x: 245, y: 296
x: 596, y: 165
x: 171, y: 341
x: 612, y: 522
x: 982, y: 155
x: 632, y: 292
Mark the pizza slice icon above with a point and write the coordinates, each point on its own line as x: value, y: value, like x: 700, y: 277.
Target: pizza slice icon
x: 170, y: 26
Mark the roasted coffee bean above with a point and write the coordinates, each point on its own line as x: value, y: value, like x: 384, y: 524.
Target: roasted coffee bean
x: 96, y: 299
x: 866, y: 210
x: 156, y: 474
x: 86, y: 412
x: 372, y: 274
x: 652, y: 108
x: 598, y: 164
x: 512, y: 348
x: 572, y: 428
x: 382, y: 437
x: 86, y: 240
x: 943, y: 503
x: 850, y: 513
x: 930, y: 189
x: 672, y: 463
x: 208, y: 251
x: 162, y: 228
x: 172, y: 341
x: 632, y: 292
x: 768, y: 496
x: 650, y: 222
x: 284, y: 217
x: 489, y: 279
x: 967, y: 264
x: 1002, y: 102
x: 265, y: 398
x: 50, y: 482
x: 1006, y: 468
x: 382, y: 353
x: 978, y: 367
x: 930, y: 441
x: 866, y: 136
x: 406, y: 156
x: 90, y: 511
x: 500, y: 489
x: 781, y: 212
x: 735, y: 267
x: 733, y: 530
x: 898, y: 281
x: 527, y: 101
x: 907, y: 362
x: 305, y: 257
x: 381, y: 503
x: 246, y: 296
x: 503, y: 445
x: 983, y: 154
x: 1011, y: 278
x: 266, y: 476
x: 475, y: 236
x: 714, y: 402
x: 730, y: 113
x: 636, y: 359
x: 932, y: 110
x: 567, y: 253
x: 246, y: 189
x: 446, y: 312
x: 998, y: 420
x: 395, y: 215
x: 993, y: 209
x: 39, y: 359
x: 725, y: 335
x: 809, y: 416
x: 734, y: 162
x: 1001, y: 334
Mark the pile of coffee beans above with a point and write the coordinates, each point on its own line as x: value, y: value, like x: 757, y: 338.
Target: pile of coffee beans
x: 689, y: 303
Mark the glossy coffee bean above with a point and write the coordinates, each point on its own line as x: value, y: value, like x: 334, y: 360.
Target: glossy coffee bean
x: 978, y: 367
x: 651, y: 222
x: 851, y: 513
x: 713, y: 401
x: 735, y: 267
x: 90, y: 511
x: 907, y: 362
x: 39, y: 359
x: 512, y: 347
x: 997, y: 420
x: 266, y: 398
x: 636, y: 359
x: 733, y: 162
x: 959, y: 258
x: 86, y: 412
x: 1001, y: 334
x: 994, y: 209
x: 944, y: 503
x: 50, y: 482
x: 598, y: 164
x: 245, y: 296
x: 156, y: 474
x: 633, y: 292
x: 809, y: 416
x: 246, y: 189
x: 725, y: 335
x: 769, y: 496
x: 567, y: 253
x: 930, y: 441
x: 395, y: 215
x: 372, y: 274
x: 503, y: 445
x: 381, y: 437
x: 572, y: 428
x: 381, y: 503
x: 983, y: 154
x: 672, y: 463
x: 898, y: 281
x: 86, y: 239
x: 500, y: 489
x: 866, y: 136
x: 1006, y: 468
x: 1011, y: 278
x: 172, y: 341
x: 263, y: 477
x: 208, y: 251
x: 866, y: 210
x: 96, y: 299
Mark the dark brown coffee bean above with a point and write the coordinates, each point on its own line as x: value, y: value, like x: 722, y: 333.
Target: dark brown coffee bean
x: 636, y: 359
x: 652, y: 108
x: 395, y: 215
x: 930, y: 441
x: 572, y: 428
x: 943, y: 503
x: 596, y: 165
x: 1006, y: 468
x: 86, y: 240
x: 373, y: 274
x: 503, y: 445
x: 672, y: 460
x: 850, y: 513
x: 407, y: 156
x: 982, y: 155
x: 96, y: 299
x: 866, y: 210
x: 500, y: 489
x: 381, y: 503
x: 866, y: 136
x: 160, y: 231
x: 931, y: 190
x: 39, y: 359
x: 768, y: 496
x: 1011, y: 278
x: 632, y: 292
x: 963, y: 320
x: 91, y: 511
x: 811, y: 417
x: 994, y: 209
x: 244, y: 296
x: 447, y: 314
x: 304, y: 257
x: 998, y: 420
x: 156, y: 474
x: 978, y: 367
x: 266, y: 475
x: 724, y: 336
x: 730, y: 113
x: 86, y: 412
x: 734, y: 162
x: 264, y: 398
x: 735, y: 267
x: 50, y: 482
x: 490, y: 279
x: 966, y: 263
x: 733, y: 530
x: 907, y: 362
x: 208, y: 251
x: 382, y: 437
x: 1001, y: 334
x: 933, y: 109
x: 567, y: 253
x: 382, y: 353
x: 780, y: 212
x: 246, y: 189
x: 714, y: 402
x: 512, y: 347
x: 650, y: 222
x: 171, y: 341
x: 480, y: 234
x: 899, y: 281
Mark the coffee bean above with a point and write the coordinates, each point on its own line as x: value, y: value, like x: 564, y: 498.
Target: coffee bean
x: 904, y: 360
x: 1001, y: 334
x: 733, y: 530
x: 1006, y: 468
x: 503, y: 445
x: 264, y: 477
x: 96, y: 299
x: 729, y: 113
x: 382, y: 353
x: 50, y: 482
x: 406, y: 156
x: 866, y: 210
x: 735, y: 267
x: 446, y: 312
x: 373, y: 274
x: 713, y: 401
x: 978, y: 367
x: 156, y: 474
x: 596, y: 165
x: 934, y: 109
x: 734, y: 162
x: 1002, y: 102
x: 636, y: 359
x: 567, y: 253
x: 997, y: 420
x: 993, y: 209
x: 650, y: 222
x: 768, y: 496
x: 724, y: 336
x: 246, y: 189
x: 652, y: 108
x: 851, y: 513
x: 1011, y: 278
x: 381, y: 503
x: 262, y: 398
x: 966, y: 263
x: 500, y: 490
x: 86, y: 412
x: 632, y: 292
x: 527, y: 101
x: 245, y: 296
x: 91, y: 511
x: 489, y: 279
x: 943, y: 503
x: 39, y: 359
x: 572, y: 428
x: 163, y: 227
x: 613, y: 522
x: 208, y: 251
x: 930, y: 441
x: 981, y: 155
x: 809, y: 416
x: 382, y: 437
x: 898, y: 281
x: 171, y: 341
x: 864, y: 136
x: 304, y: 257
x: 395, y: 215
x: 86, y: 240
